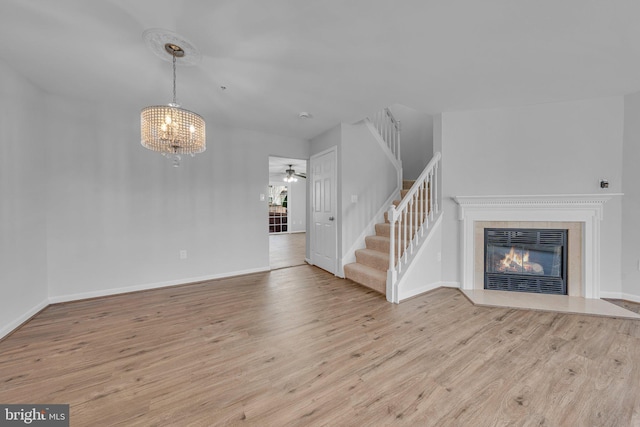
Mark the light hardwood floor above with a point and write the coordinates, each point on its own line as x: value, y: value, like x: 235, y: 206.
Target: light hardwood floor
x: 300, y: 347
x: 286, y: 250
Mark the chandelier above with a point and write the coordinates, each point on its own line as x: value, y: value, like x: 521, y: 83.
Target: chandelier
x: 170, y: 129
x: 290, y: 175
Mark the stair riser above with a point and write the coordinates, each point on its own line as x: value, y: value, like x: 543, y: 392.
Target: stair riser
x: 375, y: 283
x: 382, y: 246
x: 377, y: 245
x: 380, y: 262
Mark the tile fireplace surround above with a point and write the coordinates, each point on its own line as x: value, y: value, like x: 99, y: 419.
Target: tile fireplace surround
x: 579, y: 214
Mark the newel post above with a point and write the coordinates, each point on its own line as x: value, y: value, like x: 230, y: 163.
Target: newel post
x: 392, y: 274
x: 392, y: 234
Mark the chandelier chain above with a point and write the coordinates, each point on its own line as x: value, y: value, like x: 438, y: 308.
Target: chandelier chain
x: 174, y: 78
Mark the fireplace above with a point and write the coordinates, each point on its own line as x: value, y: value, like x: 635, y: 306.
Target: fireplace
x: 526, y: 260
x: 581, y: 214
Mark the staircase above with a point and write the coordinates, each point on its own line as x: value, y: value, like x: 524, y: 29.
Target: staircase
x: 372, y: 263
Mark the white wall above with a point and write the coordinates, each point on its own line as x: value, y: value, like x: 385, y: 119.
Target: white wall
x: 560, y: 148
x: 369, y: 175
x: 23, y: 280
x: 118, y: 214
x: 631, y: 199
x: 416, y: 139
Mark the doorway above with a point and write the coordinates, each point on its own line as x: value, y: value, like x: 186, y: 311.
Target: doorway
x: 287, y: 199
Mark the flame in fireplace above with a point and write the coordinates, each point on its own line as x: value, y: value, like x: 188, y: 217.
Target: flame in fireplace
x: 516, y: 261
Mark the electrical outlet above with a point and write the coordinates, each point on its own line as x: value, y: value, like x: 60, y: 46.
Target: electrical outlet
x: 183, y: 254
x: 439, y: 257
x: 354, y: 198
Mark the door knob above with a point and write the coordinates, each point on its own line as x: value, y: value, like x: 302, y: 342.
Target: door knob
x: 331, y: 218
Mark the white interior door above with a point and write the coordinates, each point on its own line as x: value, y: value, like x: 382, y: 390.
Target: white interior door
x: 324, y: 235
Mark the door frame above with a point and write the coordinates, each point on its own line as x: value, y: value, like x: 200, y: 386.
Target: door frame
x: 335, y: 200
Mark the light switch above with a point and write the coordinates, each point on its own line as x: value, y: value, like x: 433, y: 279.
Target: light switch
x: 354, y: 198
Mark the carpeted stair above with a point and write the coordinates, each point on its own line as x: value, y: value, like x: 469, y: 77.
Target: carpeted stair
x: 372, y: 262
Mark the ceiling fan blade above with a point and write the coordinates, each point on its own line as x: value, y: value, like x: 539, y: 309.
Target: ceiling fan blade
x: 301, y: 175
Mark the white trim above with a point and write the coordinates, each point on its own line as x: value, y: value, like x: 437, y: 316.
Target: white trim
x: 620, y: 295
x: 148, y: 286
x: 450, y: 285
x: 630, y: 297
x: 585, y: 208
x: 612, y: 295
x: 418, y: 291
x: 16, y: 323
x: 430, y: 287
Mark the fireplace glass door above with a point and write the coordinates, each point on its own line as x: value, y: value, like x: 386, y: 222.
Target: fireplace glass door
x: 526, y: 260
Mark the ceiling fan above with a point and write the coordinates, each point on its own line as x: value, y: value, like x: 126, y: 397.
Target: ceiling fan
x: 290, y: 175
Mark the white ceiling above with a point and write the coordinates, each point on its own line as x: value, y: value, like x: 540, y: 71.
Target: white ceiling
x: 339, y: 60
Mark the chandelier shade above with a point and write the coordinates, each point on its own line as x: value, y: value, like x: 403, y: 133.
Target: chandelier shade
x: 169, y: 129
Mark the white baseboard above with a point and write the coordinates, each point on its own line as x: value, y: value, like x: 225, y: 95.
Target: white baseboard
x: 15, y: 324
x: 611, y: 295
x: 631, y: 297
x: 413, y: 292
x: 148, y: 286
x: 417, y: 291
x: 451, y: 285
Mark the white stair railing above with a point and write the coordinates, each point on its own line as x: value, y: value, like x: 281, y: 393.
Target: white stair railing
x: 411, y: 219
x: 389, y: 129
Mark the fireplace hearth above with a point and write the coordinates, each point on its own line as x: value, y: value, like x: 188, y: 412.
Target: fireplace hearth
x: 526, y: 260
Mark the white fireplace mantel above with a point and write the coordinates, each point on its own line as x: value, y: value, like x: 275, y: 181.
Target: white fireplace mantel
x: 584, y: 208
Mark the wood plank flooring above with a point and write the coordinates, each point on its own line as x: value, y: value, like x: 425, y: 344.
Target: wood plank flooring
x: 286, y: 250
x: 300, y: 347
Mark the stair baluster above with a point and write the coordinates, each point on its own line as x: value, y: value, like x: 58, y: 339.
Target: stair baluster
x: 389, y: 129
x: 412, y: 216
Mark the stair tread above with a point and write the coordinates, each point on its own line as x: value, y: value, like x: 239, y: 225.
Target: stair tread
x: 373, y: 252
x: 367, y: 276
x: 378, y: 238
x: 373, y: 258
